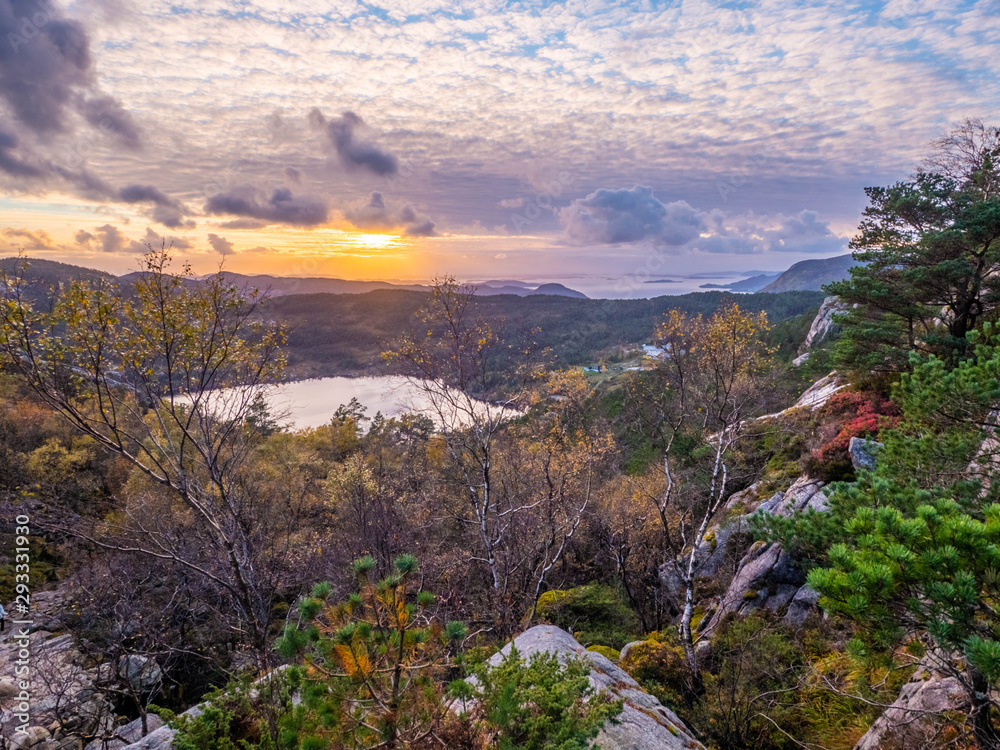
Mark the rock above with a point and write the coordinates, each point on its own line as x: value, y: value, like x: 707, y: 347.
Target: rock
x: 34, y: 736
x: 801, y: 359
x: 141, y: 672
x: 802, y: 605
x: 128, y: 734
x: 628, y: 647
x: 820, y: 392
x: 910, y: 721
x: 863, y: 453
x: 644, y: 723
x: 823, y: 322
x: 8, y: 688
x: 766, y: 576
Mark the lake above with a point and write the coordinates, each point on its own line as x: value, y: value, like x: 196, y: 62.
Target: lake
x: 311, y: 403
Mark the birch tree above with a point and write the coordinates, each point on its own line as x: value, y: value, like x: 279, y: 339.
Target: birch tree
x: 164, y: 373
x: 714, y: 374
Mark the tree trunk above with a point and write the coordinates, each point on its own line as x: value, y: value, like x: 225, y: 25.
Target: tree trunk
x: 982, y: 724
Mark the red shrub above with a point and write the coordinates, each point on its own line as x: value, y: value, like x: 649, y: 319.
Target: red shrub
x: 860, y: 414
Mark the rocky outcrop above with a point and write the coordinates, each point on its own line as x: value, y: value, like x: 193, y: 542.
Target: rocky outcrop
x: 765, y: 576
x: 66, y: 701
x: 911, y: 721
x: 863, y: 453
x: 644, y: 723
x: 823, y: 323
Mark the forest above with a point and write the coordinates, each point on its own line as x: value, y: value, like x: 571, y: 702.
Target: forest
x: 539, y: 560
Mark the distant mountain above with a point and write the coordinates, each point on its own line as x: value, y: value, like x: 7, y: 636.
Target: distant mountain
x: 47, y: 272
x: 753, y: 284
x: 558, y: 290
x: 812, y: 275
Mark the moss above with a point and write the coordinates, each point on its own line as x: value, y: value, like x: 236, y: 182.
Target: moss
x: 712, y: 540
x: 611, y: 653
x: 750, y: 595
x: 595, y: 614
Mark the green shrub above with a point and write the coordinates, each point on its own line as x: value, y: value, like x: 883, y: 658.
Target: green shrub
x: 595, y: 614
x: 537, y: 704
x: 659, y: 666
x: 610, y: 653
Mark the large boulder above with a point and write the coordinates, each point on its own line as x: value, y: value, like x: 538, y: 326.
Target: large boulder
x: 914, y: 717
x: 863, y: 453
x: 644, y: 723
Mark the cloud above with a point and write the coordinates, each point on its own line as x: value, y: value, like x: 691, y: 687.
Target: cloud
x: 11, y: 164
x: 281, y: 208
x: 107, y: 114
x: 292, y: 174
x: 803, y: 233
x: 46, y: 74
x: 375, y: 213
x: 611, y: 217
x: 512, y: 203
x: 155, y: 240
x: 108, y: 238
x: 220, y: 244
x: 353, y: 153
x: 27, y: 240
x: 243, y: 224
x: 166, y: 210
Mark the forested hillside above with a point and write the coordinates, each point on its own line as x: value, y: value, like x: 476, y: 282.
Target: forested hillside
x: 344, y: 334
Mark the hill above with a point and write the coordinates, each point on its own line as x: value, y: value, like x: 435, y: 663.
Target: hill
x: 812, y: 275
x: 344, y: 334
x: 752, y: 284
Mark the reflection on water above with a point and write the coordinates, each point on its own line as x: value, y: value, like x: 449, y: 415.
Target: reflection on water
x: 311, y: 403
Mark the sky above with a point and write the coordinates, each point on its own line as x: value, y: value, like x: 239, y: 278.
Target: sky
x: 600, y: 144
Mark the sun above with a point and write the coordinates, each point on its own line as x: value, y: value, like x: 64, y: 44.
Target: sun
x: 373, y: 241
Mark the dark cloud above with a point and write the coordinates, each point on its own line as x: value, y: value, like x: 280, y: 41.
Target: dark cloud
x: 10, y: 163
x: 166, y: 210
x: 618, y: 216
x: 105, y: 113
x: 83, y: 237
x: 110, y: 239
x: 374, y: 213
x: 220, y: 244
x: 354, y: 153
x: 293, y: 174
x: 46, y: 74
x: 281, y: 208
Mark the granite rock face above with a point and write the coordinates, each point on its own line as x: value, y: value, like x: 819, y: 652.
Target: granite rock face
x: 910, y: 722
x: 644, y: 723
x: 763, y: 575
x: 823, y: 323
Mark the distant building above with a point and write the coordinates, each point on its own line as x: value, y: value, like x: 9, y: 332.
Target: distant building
x: 655, y: 352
